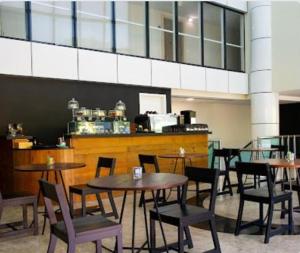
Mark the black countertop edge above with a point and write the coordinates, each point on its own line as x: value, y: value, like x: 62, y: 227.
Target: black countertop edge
x: 134, y: 134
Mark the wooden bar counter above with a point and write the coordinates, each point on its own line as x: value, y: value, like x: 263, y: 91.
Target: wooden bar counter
x: 87, y: 149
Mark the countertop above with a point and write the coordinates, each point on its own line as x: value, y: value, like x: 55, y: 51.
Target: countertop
x: 134, y: 134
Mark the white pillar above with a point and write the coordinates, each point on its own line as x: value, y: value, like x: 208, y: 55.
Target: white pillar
x: 264, y: 102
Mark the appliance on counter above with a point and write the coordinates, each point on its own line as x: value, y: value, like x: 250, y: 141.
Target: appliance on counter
x: 189, y: 117
x: 203, y: 128
x: 86, y: 121
x: 153, y: 122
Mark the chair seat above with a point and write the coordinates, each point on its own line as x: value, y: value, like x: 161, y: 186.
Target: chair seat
x: 87, y: 224
x: 182, y: 213
x: 84, y: 188
x: 262, y: 193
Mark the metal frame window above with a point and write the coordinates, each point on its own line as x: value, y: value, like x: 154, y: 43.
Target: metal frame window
x: 229, y: 49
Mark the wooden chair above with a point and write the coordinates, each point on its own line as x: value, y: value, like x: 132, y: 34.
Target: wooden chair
x: 24, y: 201
x: 183, y: 215
x: 150, y: 160
x: 83, y: 190
x: 265, y: 195
x: 225, y: 154
x: 79, y: 230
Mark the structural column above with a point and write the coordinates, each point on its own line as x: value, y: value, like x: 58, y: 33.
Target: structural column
x: 264, y: 102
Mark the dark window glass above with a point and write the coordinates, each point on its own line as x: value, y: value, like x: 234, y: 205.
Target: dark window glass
x: 162, y: 39
x: 213, y: 36
x: 235, y: 41
x: 12, y: 19
x: 130, y: 28
x: 52, y: 22
x: 94, y: 28
x: 189, y: 32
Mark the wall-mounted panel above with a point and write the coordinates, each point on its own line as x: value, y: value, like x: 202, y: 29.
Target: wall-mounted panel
x: 97, y: 66
x: 192, y: 77
x: 238, y: 82
x: 54, y: 61
x: 165, y: 74
x: 216, y: 80
x: 134, y: 70
x: 15, y: 57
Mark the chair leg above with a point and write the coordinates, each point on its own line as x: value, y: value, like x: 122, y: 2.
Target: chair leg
x: 239, y: 219
x: 98, y: 246
x: 113, y: 205
x: 44, y: 221
x: 152, y: 234
x: 142, y: 199
x: 119, y: 243
x: 214, y: 234
x: 83, y: 205
x: 71, y: 195
x: 52, y: 243
x: 71, y: 247
x: 25, y: 216
x: 188, y: 237
x: 35, y: 218
x: 261, y: 214
x: 180, y: 239
x: 269, y: 223
x: 100, y: 203
x: 291, y: 222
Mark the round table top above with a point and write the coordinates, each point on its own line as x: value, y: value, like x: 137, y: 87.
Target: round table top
x: 259, y: 149
x: 185, y: 156
x: 149, y: 181
x: 44, y: 167
x: 280, y: 163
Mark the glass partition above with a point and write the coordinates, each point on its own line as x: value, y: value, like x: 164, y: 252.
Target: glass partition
x: 130, y: 28
x: 52, y: 22
x: 94, y: 28
x: 12, y: 19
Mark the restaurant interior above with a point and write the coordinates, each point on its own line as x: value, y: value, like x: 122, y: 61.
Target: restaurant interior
x: 154, y: 126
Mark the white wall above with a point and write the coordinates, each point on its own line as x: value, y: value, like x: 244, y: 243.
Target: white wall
x: 285, y: 45
x: 229, y: 121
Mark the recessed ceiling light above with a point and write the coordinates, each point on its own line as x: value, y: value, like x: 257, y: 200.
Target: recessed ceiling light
x: 190, y: 20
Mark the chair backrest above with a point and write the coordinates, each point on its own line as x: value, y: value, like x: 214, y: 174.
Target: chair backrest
x: 149, y: 160
x: 106, y: 162
x: 282, y: 149
x: 205, y: 175
x: 55, y: 193
x: 223, y: 154
x: 254, y: 169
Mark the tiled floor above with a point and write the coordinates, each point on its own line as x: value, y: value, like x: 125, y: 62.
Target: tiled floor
x: 226, y: 206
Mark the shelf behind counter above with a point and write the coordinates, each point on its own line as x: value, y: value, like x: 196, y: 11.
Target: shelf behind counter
x: 87, y: 148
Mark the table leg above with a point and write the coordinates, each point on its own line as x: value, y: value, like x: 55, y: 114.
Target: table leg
x: 133, y: 221
x: 160, y: 223
x: 146, y: 226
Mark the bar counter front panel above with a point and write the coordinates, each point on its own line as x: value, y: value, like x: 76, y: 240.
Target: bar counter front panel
x: 87, y: 149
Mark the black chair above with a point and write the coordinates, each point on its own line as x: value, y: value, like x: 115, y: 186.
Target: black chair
x: 83, y: 190
x: 19, y: 227
x: 150, y: 160
x: 225, y: 154
x: 265, y: 195
x: 76, y: 231
x: 183, y: 215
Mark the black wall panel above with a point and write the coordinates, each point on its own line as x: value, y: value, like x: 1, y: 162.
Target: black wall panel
x: 41, y: 104
x: 289, y: 119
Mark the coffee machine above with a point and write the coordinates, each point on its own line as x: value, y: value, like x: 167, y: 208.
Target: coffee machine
x: 189, y: 117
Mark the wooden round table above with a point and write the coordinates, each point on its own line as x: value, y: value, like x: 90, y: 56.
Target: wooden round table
x: 57, y: 168
x: 183, y: 158
x: 149, y: 182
